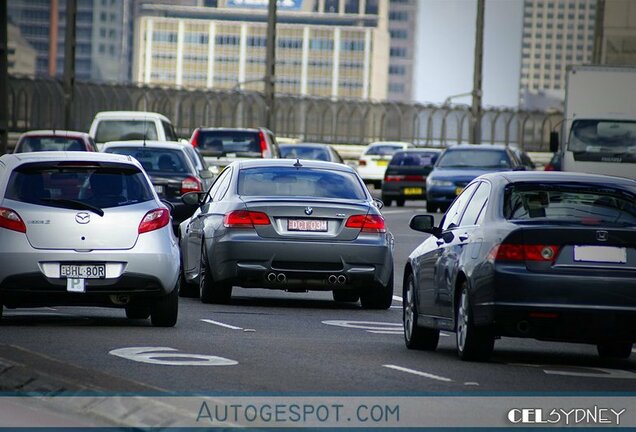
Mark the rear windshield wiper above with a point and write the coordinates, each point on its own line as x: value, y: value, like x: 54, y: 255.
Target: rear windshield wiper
x: 78, y: 205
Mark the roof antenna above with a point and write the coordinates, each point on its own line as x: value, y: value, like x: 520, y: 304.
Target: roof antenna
x: 298, y: 164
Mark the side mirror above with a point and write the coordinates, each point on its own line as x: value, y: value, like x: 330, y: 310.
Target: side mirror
x: 424, y: 223
x: 193, y: 199
x: 554, y: 142
x: 378, y: 203
x: 206, y: 174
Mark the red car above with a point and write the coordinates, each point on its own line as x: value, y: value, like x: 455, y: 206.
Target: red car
x: 54, y: 140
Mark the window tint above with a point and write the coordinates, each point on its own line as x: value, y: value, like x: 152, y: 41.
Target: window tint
x: 157, y: 160
x: 219, y: 143
x: 579, y: 204
x: 314, y: 153
x: 467, y: 158
x: 125, y: 130
x: 382, y: 149
x: 476, y: 205
x: 42, y: 143
x: 416, y: 159
x: 455, y: 211
x: 100, y: 186
x: 300, y: 182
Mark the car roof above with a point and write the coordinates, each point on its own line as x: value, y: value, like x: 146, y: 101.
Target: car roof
x: 141, y: 143
x: 310, y: 145
x: 290, y: 163
x: 395, y: 143
x: 477, y: 147
x: 226, y: 129
x: 55, y: 132
x: 12, y: 160
x: 558, y: 177
x: 129, y: 115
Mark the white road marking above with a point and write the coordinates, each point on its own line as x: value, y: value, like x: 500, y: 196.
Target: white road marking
x: 444, y: 334
x: 167, y: 356
x: 396, y: 307
x: 415, y: 372
x: 470, y: 383
x: 398, y: 298
x: 222, y: 324
x: 581, y: 371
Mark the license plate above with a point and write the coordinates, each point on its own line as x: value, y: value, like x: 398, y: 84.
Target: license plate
x: 382, y: 162
x: 603, y: 254
x: 413, y: 191
x: 159, y: 189
x: 87, y: 271
x: 459, y: 190
x: 307, y: 225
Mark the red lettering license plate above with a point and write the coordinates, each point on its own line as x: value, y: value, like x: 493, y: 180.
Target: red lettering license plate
x: 307, y: 225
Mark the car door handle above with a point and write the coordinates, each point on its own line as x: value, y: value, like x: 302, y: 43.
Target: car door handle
x: 464, y: 237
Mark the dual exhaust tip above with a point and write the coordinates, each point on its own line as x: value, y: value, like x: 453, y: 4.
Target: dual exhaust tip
x: 340, y: 279
x: 282, y: 278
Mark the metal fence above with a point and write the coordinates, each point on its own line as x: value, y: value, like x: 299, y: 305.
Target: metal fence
x: 39, y: 103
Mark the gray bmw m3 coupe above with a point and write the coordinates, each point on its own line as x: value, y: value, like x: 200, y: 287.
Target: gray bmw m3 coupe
x: 288, y: 225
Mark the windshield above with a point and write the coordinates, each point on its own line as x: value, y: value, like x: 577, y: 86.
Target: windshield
x: 383, y: 149
x: 78, y: 186
x: 125, y: 130
x: 55, y: 143
x: 306, y: 182
x: 300, y: 152
x: 579, y: 204
x: 603, y: 140
x: 467, y: 158
x: 222, y: 143
x: 157, y: 161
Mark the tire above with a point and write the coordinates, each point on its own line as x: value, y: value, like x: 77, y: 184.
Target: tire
x: 350, y: 296
x: 136, y: 311
x: 165, y: 311
x: 473, y: 343
x: 614, y: 350
x: 379, y: 297
x: 415, y: 337
x: 209, y: 291
x: 387, y: 201
x: 431, y: 207
x: 400, y: 202
x: 187, y: 289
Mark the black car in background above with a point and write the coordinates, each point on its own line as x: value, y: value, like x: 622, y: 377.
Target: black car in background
x: 405, y: 176
x: 544, y: 255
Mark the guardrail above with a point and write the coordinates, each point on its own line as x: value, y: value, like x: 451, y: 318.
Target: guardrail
x: 38, y: 104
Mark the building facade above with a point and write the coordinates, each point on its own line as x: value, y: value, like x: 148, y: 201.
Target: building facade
x: 402, y: 30
x: 556, y: 33
x: 21, y: 55
x: 618, y: 46
x: 326, y: 48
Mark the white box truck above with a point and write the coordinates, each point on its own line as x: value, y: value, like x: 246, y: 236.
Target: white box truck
x: 599, y: 126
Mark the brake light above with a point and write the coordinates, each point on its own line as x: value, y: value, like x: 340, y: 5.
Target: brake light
x: 9, y: 219
x: 398, y: 178
x: 153, y: 220
x: 263, y: 143
x: 367, y: 223
x: 191, y: 184
x: 523, y: 252
x: 393, y: 178
x: 415, y: 178
x: 245, y: 219
x: 362, y: 162
x: 194, y: 141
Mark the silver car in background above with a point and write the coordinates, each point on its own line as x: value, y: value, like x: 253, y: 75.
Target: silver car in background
x: 288, y: 225
x: 86, y: 229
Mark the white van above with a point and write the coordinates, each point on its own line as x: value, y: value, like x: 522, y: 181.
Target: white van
x: 131, y: 125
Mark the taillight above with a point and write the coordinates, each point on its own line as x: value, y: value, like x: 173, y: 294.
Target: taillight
x: 263, y: 143
x: 362, y: 162
x: 9, y: 219
x: 245, y: 219
x: 191, y: 184
x: 153, y: 220
x: 523, y: 252
x: 367, y: 223
x: 195, y: 138
x: 393, y: 178
x: 415, y: 178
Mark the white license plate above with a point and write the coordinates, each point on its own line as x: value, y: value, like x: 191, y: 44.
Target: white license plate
x: 604, y: 254
x: 159, y: 189
x: 307, y: 225
x: 87, y: 271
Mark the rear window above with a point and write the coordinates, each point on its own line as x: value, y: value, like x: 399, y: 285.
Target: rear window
x: 382, y: 149
x: 125, y: 130
x: 291, y: 182
x: 587, y: 205
x: 496, y: 159
x: 70, y: 185
x: 156, y: 160
x: 36, y: 144
x: 228, y: 143
x: 416, y: 159
x: 312, y: 153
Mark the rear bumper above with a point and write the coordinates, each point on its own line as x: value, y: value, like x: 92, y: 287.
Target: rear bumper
x: 247, y: 260
x: 441, y: 194
x: 396, y: 190
x: 567, y: 307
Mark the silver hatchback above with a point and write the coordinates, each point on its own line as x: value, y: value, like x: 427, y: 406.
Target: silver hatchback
x: 86, y: 229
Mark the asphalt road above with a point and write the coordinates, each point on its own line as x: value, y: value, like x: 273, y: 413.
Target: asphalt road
x: 277, y: 342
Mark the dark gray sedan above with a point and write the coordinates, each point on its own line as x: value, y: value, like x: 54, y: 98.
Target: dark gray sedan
x: 288, y: 225
x: 543, y: 255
